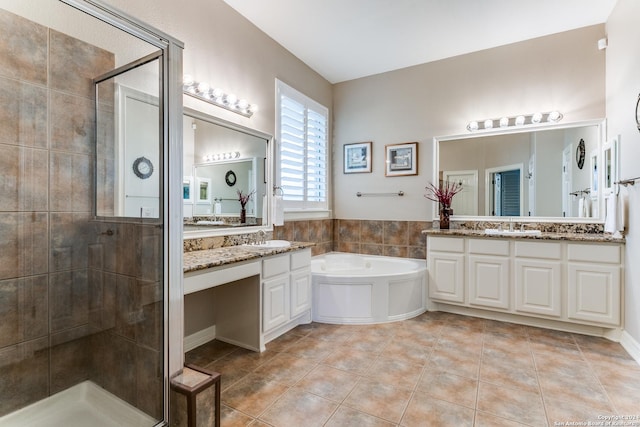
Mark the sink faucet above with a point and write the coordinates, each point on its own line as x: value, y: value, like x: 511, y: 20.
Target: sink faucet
x: 261, y: 236
x: 510, y: 224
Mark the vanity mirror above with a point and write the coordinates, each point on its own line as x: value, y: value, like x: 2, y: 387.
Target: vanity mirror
x: 222, y: 160
x: 524, y: 172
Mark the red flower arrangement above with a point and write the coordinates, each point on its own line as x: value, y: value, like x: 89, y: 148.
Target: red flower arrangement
x: 443, y: 194
x: 244, y: 198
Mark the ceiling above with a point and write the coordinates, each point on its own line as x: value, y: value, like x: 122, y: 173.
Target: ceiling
x: 348, y: 39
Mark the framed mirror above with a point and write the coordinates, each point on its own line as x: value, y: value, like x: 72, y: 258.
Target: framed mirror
x: 224, y: 160
x: 528, y: 173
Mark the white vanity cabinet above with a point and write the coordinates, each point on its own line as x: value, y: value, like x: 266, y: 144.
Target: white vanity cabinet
x: 594, y: 285
x: 253, y: 301
x: 557, y: 280
x: 446, y: 269
x: 488, y: 273
x: 538, y: 278
x: 286, y: 292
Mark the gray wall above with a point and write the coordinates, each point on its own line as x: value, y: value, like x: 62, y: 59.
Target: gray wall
x: 562, y: 72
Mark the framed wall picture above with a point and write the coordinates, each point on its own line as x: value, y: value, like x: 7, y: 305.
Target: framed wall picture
x: 401, y: 159
x: 357, y: 157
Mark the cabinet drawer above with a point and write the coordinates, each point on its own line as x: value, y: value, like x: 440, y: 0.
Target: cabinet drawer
x: 445, y: 244
x: 300, y: 259
x: 538, y: 250
x: 593, y: 253
x: 489, y: 247
x: 275, y: 265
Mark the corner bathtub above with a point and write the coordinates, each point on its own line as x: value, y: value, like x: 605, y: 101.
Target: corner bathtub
x: 364, y: 289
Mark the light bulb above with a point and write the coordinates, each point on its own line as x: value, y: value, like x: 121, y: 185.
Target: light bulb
x: 217, y: 92
x: 554, y: 116
x: 504, y: 122
x: 203, y: 87
x: 520, y: 120
x: 243, y: 104
x: 536, y: 118
x: 187, y: 80
x: 231, y: 99
x: 472, y: 126
x: 488, y: 124
x: 253, y: 108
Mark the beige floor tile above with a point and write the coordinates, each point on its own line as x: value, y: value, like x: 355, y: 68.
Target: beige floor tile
x: 328, y: 382
x: 350, y: 360
x: 487, y: 420
x: 514, y: 404
x: 348, y: 417
x: 207, y: 353
x: 450, y: 387
x: 253, y: 394
x: 286, y: 369
x: 561, y: 411
x: 625, y: 400
x: 229, y: 417
x: 435, y: 369
x: 460, y: 363
x: 424, y: 410
x: 283, y: 342
x: 310, y: 348
x: 379, y: 399
x: 396, y: 371
x: 296, y: 408
x: 369, y: 342
x: 404, y: 348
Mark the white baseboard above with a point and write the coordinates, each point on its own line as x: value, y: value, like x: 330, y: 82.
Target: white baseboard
x: 631, y: 345
x: 198, y: 338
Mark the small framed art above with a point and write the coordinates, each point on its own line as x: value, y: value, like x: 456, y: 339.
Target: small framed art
x: 357, y: 157
x: 401, y: 159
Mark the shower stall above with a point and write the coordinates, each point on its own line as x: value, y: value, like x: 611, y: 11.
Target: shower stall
x: 89, y: 118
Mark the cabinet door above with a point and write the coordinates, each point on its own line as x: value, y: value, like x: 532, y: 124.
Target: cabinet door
x: 275, y: 302
x: 446, y: 277
x: 300, y: 292
x: 594, y: 293
x: 489, y: 281
x: 538, y: 287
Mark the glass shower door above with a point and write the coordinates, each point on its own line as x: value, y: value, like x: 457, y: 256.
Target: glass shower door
x: 83, y: 208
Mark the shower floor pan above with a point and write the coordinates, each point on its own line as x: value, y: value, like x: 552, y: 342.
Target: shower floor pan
x: 85, y: 404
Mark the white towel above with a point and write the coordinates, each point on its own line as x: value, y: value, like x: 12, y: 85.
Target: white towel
x: 611, y: 219
x: 581, y: 208
x: 587, y: 207
x: 278, y: 211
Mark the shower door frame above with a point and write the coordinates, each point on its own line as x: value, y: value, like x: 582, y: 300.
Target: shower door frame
x: 172, y: 178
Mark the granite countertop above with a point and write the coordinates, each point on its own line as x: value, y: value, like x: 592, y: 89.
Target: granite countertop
x: 208, y: 258
x: 574, y: 237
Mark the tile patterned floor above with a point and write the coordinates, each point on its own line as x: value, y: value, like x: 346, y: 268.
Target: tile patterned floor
x: 438, y: 369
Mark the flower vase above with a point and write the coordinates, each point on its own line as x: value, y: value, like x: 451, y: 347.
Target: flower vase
x: 445, y: 213
x: 243, y: 216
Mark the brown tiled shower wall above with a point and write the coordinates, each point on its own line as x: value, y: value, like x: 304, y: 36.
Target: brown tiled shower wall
x: 372, y: 237
x: 79, y: 300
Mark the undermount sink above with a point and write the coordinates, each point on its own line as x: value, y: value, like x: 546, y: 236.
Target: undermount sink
x: 512, y: 232
x: 271, y: 244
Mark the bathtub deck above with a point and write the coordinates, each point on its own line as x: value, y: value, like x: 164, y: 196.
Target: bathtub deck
x: 85, y: 404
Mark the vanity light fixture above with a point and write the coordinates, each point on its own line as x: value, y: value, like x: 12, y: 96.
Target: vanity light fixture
x: 221, y: 156
x: 217, y: 97
x: 520, y: 120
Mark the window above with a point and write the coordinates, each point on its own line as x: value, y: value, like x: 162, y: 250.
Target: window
x: 301, y: 130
